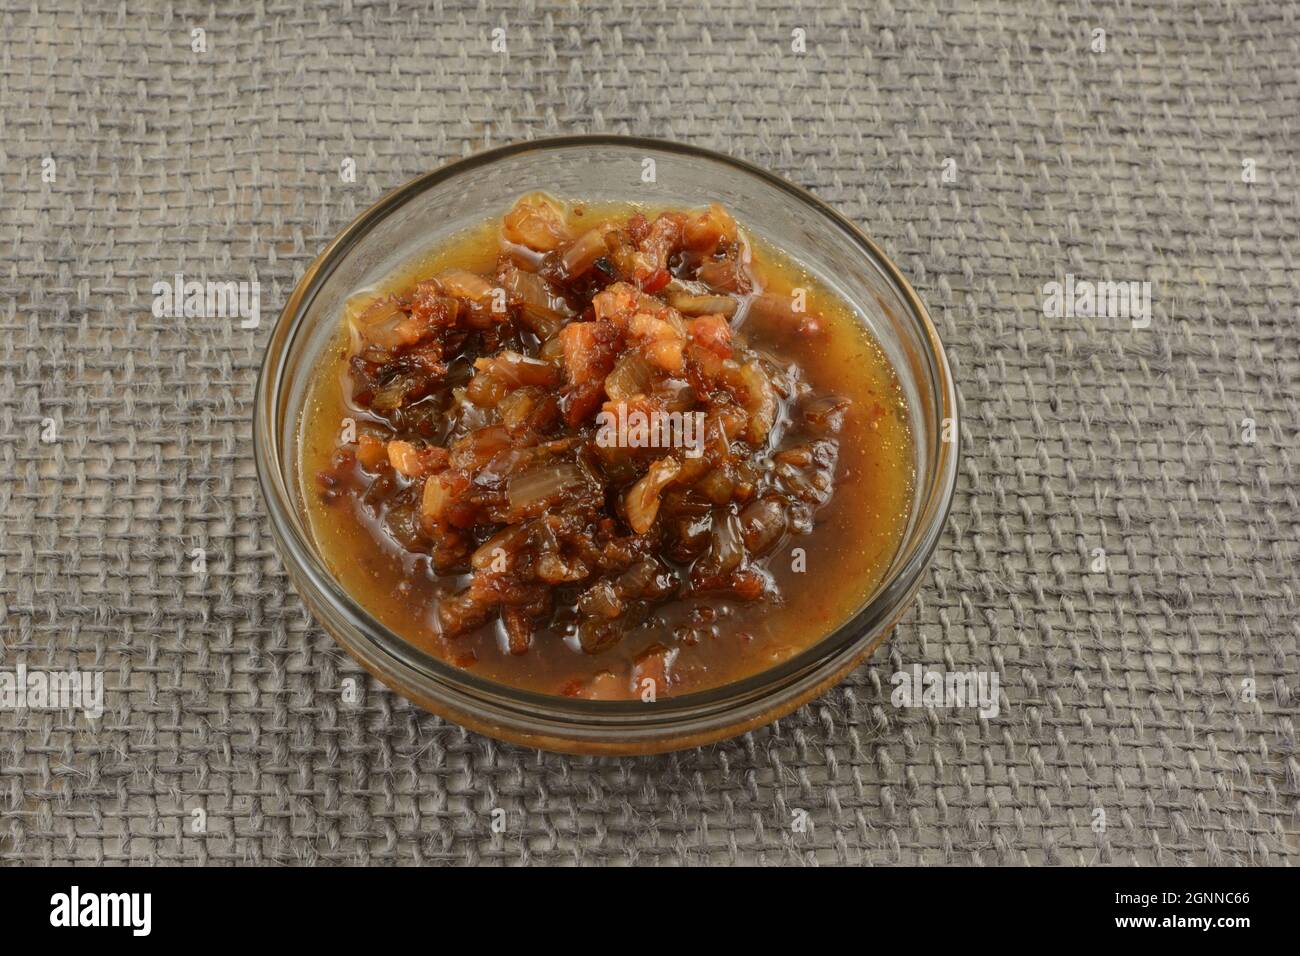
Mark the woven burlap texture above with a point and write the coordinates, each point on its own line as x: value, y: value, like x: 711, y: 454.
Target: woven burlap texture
x: 1160, y: 690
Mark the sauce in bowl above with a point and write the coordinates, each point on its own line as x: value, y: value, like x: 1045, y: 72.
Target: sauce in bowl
x: 606, y: 452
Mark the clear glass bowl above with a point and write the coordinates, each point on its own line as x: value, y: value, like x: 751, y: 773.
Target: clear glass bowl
x: 422, y: 213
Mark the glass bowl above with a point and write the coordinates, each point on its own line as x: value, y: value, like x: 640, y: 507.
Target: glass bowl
x: 417, y: 216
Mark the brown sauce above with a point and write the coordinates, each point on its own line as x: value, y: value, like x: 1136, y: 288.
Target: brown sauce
x: 648, y: 611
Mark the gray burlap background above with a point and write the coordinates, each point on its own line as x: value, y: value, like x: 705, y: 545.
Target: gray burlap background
x: 1127, y: 691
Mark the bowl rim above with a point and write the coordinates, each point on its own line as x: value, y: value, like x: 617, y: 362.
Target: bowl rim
x: 527, y: 707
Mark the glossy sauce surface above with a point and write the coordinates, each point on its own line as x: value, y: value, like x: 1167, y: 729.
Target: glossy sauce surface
x: 821, y: 577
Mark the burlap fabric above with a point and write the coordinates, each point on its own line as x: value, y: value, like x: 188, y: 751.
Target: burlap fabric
x: 990, y: 147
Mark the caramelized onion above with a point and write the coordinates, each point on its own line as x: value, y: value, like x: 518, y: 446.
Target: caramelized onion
x: 541, y: 308
x: 630, y: 376
x: 579, y: 257
x: 536, y: 221
x: 642, y: 499
x: 532, y: 490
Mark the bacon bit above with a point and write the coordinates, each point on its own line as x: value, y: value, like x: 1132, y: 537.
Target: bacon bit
x: 439, y: 493
x: 581, y: 402
x: 616, y: 302
x: 589, y: 349
x: 371, y: 452
x: 405, y: 458
x: 579, y: 342
x: 638, y: 227
x: 662, y: 340
x: 712, y: 332
x: 654, y: 665
x: 665, y: 354
x: 646, y: 328
x: 519, y: 630
x: 712, y: 227
x: 656, y: 282
x: 416, y: 462
x: 432, y: 308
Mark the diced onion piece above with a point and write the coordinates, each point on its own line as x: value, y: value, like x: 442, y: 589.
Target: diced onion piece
x: 467, y: 285
x: 517, y: 370
x: 486, y: 389
x: 552, y: 351
x: 579, y: 257
x: 536, y: 221
x: 642, y: 499
x: 517, y: 406
x: 690, y: 304
x: 762, y: 523
x: 601, y: 601
x: 541, y: 308
x: 630, y: 376
x: 375, y: 311
x: 479, y: 447
x: 384, y: 325
x: 495, y: 553
x: 724, y: 275
x: 676, y: 394
x: 727, y: 549
x: 531, y: 491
